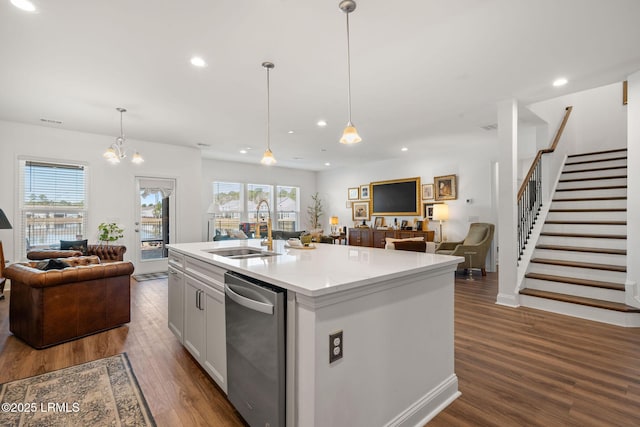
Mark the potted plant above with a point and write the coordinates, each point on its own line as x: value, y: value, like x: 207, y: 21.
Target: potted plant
x: 315, y: 211
x: 109, y: 232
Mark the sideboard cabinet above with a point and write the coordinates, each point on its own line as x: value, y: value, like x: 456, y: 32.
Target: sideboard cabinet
x: 376, y: 238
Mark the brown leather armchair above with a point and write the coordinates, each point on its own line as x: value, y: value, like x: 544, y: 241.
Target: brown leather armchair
x: 478, y: 241
x: 54, y: 306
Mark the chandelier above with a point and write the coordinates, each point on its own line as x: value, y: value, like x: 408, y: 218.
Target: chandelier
x: 117, y: 151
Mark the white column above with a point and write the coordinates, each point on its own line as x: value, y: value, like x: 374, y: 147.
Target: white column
x: 633, y: 190
x: 507, y: 203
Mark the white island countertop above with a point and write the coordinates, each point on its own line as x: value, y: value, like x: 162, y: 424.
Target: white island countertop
x: 324, y: 270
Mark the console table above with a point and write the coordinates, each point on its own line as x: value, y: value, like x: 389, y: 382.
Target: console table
x: 377, y: 238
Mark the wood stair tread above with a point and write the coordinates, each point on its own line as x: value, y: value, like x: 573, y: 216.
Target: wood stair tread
x: 616, y: 150
x: 590, y: 210
x: 589, y: 236
x: 595, y: 178
x: 578, y: 264
x: 591, y: 302
x: 583, y: 249
x: 590, y: 199
x: 575, y: 281
x: 593, y: 169
x: 605, y: 187
x: 610, y: 159
x: 585, y: 222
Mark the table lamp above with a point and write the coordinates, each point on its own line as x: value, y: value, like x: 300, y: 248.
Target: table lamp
x: 334, y: 224
x: 4, y: 225
x: 440, y: 213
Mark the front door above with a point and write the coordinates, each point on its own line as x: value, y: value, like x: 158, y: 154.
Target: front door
x: 155, y: 223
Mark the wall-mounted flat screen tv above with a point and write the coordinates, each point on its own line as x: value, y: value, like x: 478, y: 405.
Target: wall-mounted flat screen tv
x: 396, y: 197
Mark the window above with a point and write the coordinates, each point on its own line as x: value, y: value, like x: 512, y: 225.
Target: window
x: 255, y: 194
x: 287, y: 207
x: 53, y: 203
x: 230, y: 203
x: 228, y: 197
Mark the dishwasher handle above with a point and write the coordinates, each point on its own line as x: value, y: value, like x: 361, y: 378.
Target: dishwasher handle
x: 248, y: 302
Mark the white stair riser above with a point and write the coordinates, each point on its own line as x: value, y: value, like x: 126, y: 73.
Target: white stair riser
x: 603, y: 164
x: 596, y: 156
x: 584, y: 228
x: 615, y: 192
x: 611, y: 295
x: 578, y: 273
x: 609, y: 259
x: 594, y: 174
x: 589, y: 204
x: 588, y: 216
x: 585, y: 242
x: 582, y: 311
x: 591, y: 183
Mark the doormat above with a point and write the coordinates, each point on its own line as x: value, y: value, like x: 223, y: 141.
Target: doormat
x: 150, y: 276
x: 104, y: 392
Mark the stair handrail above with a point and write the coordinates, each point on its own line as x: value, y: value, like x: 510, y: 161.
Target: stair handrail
x: 531, y: 189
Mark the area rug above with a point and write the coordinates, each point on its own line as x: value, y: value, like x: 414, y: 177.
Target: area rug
x: 104, y: 392
x: 150, y: 276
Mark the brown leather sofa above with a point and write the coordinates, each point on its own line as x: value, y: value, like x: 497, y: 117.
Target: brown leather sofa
x: 106, y: 253
x: 51, y: 307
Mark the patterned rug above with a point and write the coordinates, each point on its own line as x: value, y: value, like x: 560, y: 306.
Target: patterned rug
x: 104, y: 392
x: 150, y: 276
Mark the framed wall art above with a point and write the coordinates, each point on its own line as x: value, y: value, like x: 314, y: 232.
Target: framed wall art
x: 364, y: 192
x: 360, y: 211
x: 427, y: 191
x: 353, y: 193
x: 445, y: 187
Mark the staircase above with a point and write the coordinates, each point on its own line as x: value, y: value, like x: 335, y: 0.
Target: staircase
x: 578, y: 267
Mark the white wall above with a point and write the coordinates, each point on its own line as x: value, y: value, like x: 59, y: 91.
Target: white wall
x: 219, y: 170
x: 469, y: 156
x: 633, y: 189
x: 111, y: 188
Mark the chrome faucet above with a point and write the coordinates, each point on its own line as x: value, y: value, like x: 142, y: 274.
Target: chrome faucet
x: 269, y: 241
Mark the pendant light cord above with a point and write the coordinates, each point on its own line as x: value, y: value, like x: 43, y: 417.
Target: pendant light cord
x: 348, y: 70
x: 268, y: 113
x: 121, y: 131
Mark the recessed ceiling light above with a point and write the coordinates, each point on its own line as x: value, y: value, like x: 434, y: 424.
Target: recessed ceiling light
x: 327, y: 164
x: 196, y: 61
x: 290, y: 131
x: 25, y: 5
x: 404, y: 149
x: 322, y: 123
x: 560, y: 82
x: 203, y: 145
x: 243, y: 151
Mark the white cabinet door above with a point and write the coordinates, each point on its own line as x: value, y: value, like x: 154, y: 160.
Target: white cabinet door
x: 215, y: 362
x: 194, y: 316
x: 176, y: 302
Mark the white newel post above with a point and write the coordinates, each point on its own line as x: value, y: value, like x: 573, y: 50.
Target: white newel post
x: 633, y: 190
x: 507, y: 202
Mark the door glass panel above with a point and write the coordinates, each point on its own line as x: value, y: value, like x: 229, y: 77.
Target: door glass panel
x: 154, y: 218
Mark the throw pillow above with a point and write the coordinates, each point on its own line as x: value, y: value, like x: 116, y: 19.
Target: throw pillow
x: 76, y: 245
x: 55, y: 264
x: 236, y: 234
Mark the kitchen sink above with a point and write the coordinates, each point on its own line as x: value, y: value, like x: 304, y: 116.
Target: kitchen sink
x: 241, y: 253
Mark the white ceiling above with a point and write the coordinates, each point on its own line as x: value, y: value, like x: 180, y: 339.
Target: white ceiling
x: 419, y: 68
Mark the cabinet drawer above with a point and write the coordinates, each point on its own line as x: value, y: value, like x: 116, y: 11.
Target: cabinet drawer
x: 209, y: 274
x: 176, y: 260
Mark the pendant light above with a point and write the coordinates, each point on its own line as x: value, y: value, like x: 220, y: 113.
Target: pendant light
x: 350, y: 134
x: 117, y: 151
x: 267, y: 157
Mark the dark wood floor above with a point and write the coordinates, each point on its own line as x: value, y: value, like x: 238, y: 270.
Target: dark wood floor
x: 516, y: 367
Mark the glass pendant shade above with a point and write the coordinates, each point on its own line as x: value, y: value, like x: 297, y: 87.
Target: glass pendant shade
x: 350, y: 135
x: 267, y: 158
x: 137, y: 158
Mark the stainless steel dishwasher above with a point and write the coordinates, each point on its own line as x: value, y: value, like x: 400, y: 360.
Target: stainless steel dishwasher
x: 255, y: 323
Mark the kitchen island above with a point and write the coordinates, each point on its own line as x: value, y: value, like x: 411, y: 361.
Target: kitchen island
x: 394, y: 308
